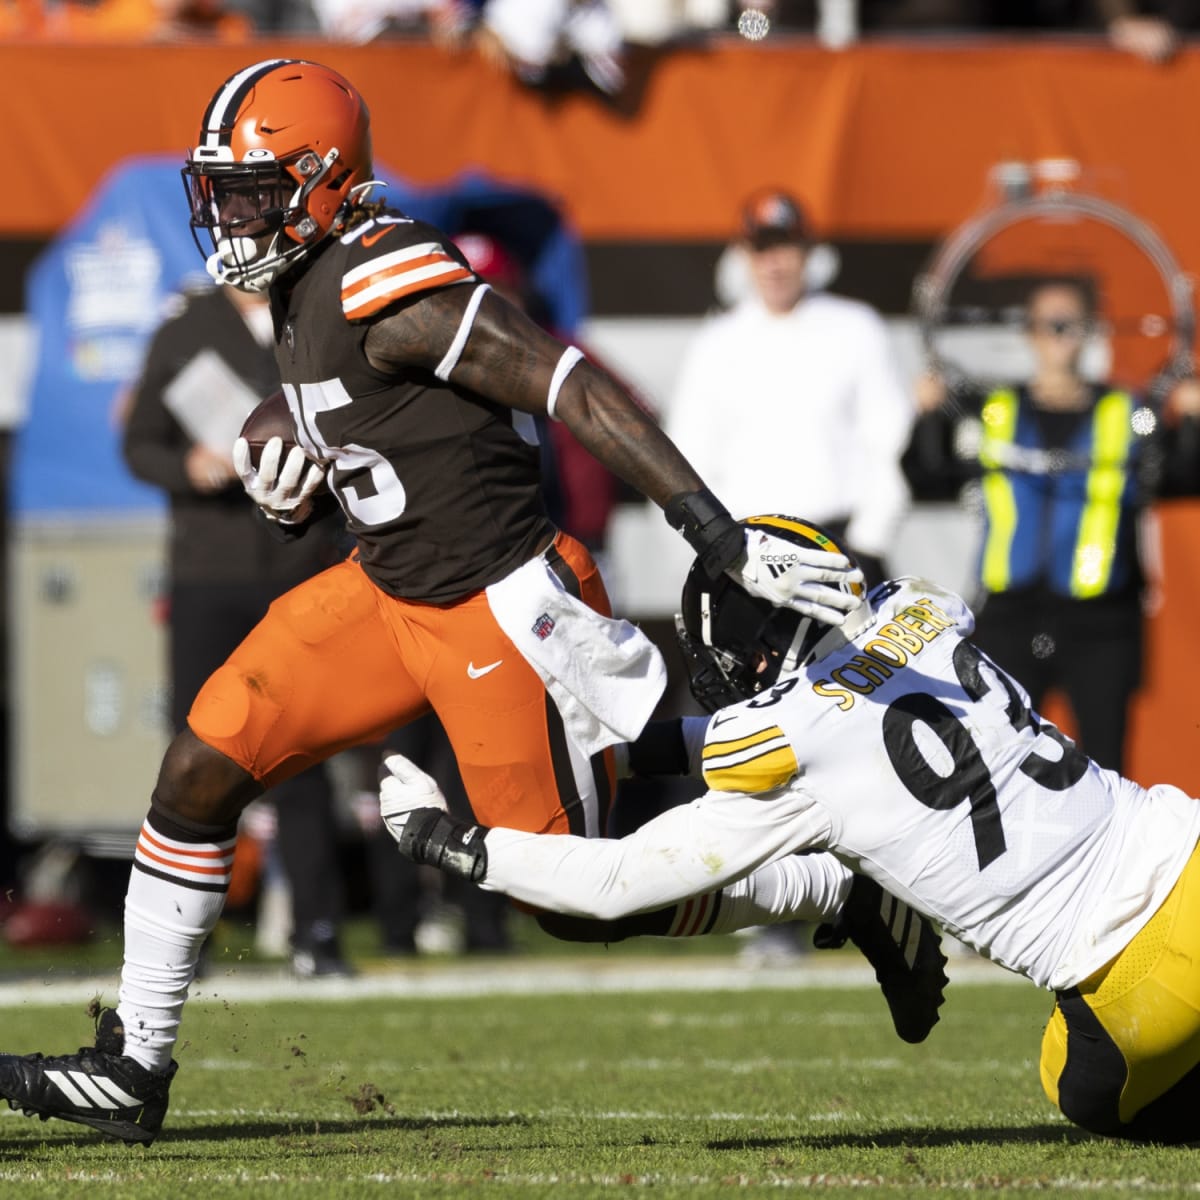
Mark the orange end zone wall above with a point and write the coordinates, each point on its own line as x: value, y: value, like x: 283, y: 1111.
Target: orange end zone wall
x: 882, y: 140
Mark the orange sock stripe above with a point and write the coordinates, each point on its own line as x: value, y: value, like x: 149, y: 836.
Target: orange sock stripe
x: 692, y: 917
x: 147, y: 836
x: 184, y: 868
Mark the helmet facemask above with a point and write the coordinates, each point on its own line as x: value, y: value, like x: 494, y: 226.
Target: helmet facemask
x: 735, y: 645
x: 255, y: 214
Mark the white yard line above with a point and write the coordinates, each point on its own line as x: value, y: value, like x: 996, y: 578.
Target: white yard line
x: 511, y: 977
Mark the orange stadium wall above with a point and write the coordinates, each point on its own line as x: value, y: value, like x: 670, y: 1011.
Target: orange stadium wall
x: 882, y: 140
x: 889, y: 144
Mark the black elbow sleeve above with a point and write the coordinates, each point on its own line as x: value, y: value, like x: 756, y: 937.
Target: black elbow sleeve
x: 708, y: 528
x: 659, y: 750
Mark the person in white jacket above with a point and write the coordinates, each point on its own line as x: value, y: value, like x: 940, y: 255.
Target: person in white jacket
x: 792, y: 400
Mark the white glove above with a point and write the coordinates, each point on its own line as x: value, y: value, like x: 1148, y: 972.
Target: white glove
x: 815, y: 583
x: 402, y: 790
x: 284, y: 494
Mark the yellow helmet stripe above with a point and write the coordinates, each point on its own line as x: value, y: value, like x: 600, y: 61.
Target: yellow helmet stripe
x: 819, y: 536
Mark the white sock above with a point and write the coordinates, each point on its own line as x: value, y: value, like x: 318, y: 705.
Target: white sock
x: 176, y: 892
x: 800, y: 887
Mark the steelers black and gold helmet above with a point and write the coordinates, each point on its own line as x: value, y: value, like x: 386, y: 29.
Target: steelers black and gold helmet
x: 737, y: 645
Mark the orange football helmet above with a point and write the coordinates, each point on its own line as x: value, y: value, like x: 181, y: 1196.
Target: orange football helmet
x: 283, y: 155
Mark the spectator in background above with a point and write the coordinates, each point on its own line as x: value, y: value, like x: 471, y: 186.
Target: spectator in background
x: 1134, y: 28
x: 366, y: 20
x: 1147, y: 29
x: 544, y: 43
x: 815, y: 373
x: 1065, y: 470
x: 1180, y: 475
x: 793, y: 402
x: 224, y: 565
x: 141, y: 20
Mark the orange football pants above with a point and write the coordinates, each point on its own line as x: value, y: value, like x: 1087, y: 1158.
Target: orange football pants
x: 336, y: 662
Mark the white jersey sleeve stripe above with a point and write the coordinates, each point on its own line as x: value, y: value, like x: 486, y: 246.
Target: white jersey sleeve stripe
x: 386, y: 262
x: 566, y: 364
x: 395, y: 285
x: 720, y: 762
x: 464, y: 331
x: 756, y: 762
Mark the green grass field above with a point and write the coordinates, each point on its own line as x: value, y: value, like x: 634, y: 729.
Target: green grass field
x: 587, y: 1092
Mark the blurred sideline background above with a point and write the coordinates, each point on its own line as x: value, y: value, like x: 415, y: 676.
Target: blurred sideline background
x: 890, y: 139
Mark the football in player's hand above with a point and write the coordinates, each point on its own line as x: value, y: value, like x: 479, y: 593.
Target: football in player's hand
x: 270, y: 419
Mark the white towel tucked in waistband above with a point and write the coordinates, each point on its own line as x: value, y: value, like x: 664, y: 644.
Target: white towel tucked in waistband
x: 605, y: 676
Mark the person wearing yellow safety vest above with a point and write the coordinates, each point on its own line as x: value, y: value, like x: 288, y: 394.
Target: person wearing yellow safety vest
x: 1063, y: 469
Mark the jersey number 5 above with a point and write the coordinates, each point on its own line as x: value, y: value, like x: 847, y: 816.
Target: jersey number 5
x: 364, y: 482
x: 970, y: 780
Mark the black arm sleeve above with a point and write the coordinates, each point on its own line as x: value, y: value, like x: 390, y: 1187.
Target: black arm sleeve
x: 659, y: 750
x: 708, y: 528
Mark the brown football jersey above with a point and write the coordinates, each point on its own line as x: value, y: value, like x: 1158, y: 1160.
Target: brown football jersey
x: 440, y: 486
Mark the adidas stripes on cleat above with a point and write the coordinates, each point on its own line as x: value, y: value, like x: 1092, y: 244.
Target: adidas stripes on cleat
x: 902, y: 946
x: 99, y: 1086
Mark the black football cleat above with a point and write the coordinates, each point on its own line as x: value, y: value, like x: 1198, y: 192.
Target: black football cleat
x: 902, y: 946
x: 99, y: 1086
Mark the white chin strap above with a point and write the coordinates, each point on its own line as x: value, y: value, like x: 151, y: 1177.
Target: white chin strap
x: 857, y: 619
x: 233, y: 263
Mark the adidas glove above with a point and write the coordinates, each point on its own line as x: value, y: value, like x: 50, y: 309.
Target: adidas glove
x: 815, y: 583
x: 284, y: 492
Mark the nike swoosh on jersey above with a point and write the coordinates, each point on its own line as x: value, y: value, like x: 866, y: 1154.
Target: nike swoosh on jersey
x: 369, y: 239
x: 374, y: 285
x: 479, y: 672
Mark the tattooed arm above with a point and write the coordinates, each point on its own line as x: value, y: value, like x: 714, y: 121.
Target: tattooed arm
x: 510, y: 359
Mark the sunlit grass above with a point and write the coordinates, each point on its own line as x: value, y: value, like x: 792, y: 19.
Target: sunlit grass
x: 682, y: 1094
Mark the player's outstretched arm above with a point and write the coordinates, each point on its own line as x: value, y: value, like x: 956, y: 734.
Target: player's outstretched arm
x: 509, y: 358
x: 686, y: 851
x: 483, y: 343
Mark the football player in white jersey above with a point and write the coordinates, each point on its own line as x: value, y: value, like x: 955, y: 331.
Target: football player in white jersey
x: 901, y: 750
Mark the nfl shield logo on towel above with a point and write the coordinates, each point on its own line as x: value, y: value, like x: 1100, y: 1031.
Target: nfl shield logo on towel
x: 543, y: 627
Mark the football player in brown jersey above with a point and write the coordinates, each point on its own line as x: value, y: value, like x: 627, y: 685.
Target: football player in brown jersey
x: 412, y: 386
